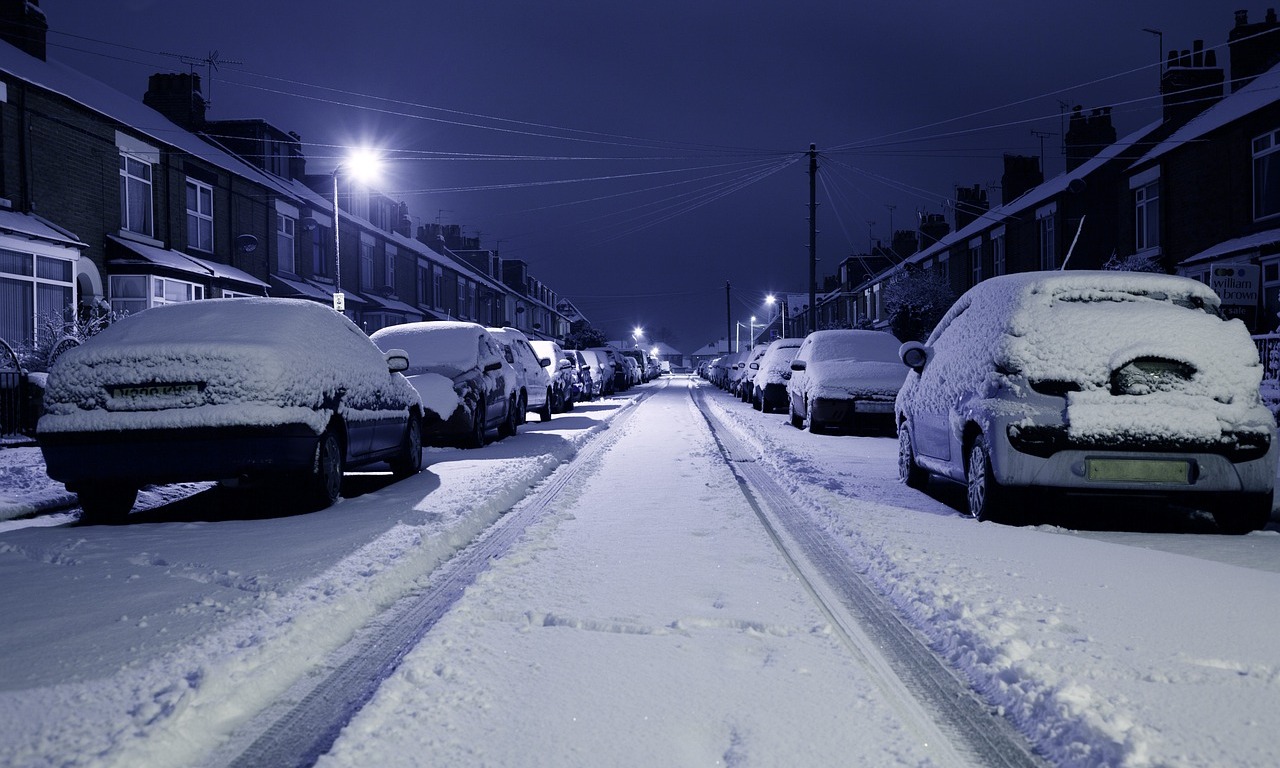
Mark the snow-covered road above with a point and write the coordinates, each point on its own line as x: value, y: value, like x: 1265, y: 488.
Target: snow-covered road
x: 646, y: 618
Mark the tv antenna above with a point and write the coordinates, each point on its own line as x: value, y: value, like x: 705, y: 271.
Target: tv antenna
x: 210, y: 61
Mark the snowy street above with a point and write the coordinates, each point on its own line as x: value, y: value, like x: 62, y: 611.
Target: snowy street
x: 666, y: 577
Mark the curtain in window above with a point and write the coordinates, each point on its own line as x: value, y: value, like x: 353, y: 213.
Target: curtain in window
x: 16, y: 312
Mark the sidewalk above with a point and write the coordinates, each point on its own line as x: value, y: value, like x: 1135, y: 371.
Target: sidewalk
x: 25, y: 489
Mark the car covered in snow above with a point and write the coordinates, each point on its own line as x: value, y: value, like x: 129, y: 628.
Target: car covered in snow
x: 226, y: 389
x: 565, y: 387
x: 750, y: 367
x: 844, y: 378
x: 534, y: 380
x: 461, y: 372
x: 769, y: 382
x: 1110, y: 384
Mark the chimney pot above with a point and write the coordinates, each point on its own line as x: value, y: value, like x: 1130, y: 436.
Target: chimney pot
x: 1242, y: 18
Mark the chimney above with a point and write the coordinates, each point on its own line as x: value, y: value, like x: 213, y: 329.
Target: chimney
x: 1254, y: 48
x: 1087, y: 135
x: 971, y: 202
x: 23, y: 25
x: 177, y: 97
x: 1021, y: 173
x: 933, y: 227
x: 1192, y: 82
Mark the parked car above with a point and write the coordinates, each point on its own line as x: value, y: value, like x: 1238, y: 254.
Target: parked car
x: 769, y: 385
x: 226, y: 389
x: 615, y: 375
x: 562, y: 372
x: 844, y: 378
x: 530, y: 368
x: 750, y: 366
x: 463, y: 377
x: 1111, y: 384
x: 588, y: 384
x: 641, y: 374
x: 601, y: 372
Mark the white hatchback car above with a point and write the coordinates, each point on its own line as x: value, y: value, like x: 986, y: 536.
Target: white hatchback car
x: 1109, y: 384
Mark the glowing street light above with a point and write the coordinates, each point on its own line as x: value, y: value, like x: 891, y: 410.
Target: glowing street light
x: 753, y: 331
x: 636, y: 335
x: 362, y: 165
x: 771, y: 300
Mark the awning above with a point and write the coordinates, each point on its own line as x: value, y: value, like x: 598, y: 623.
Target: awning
x: 387, y: 303
x: 289, y: 288
x: 1235, y: 247
x: 34, y: 228
x: 128, y: 252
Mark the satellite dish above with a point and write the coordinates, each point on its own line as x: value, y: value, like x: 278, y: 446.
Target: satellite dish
x: 309, y: 224
x: 247, y: 243
x: 1076, y: 186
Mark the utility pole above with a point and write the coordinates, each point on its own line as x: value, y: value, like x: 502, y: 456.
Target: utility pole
x: 813, y: 237
x: 728, y: 315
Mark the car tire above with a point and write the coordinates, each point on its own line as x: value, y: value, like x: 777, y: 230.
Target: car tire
x: 910, y: 474
x: 1245, y: 513
x: 797, y: 420
x: 987, y: 499
x: 814, y: 426
x: 544, y: 414
x: 757, y: 401
x: 109, y: 504
x: 475, y: 438
x: 409, y: 461
x: 324, y: 484
x: 511, y: 423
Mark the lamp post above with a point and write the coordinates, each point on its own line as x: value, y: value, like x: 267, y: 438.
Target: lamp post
x: 782, y: 325
x: 752, y: 341
x: 362, y: 164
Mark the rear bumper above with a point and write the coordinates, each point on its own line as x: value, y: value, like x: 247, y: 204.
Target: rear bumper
x: 849, y: 413
x: 172, y: 456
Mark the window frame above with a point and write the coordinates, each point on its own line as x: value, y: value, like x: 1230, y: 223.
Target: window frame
x: 128, y: 181
x: 199, y: 221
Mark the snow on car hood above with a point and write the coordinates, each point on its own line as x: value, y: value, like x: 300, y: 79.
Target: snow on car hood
x: 252, y: 361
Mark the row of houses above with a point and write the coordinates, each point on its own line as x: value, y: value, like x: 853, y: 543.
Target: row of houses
x: 1196, y: 192
x: 110, y: 201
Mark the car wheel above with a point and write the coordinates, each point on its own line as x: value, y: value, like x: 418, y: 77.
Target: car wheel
x: 475, y: 438
x: 909, y: 473
x: 545, y: 413
x: 757, y: 401
x: 814, y: 426
x: 106, y: 503
x: 558, y: 400
x: 512, y: 422
x: 988, y: 499
x: 409, y: 461
x: 325, y: 481
x: 797, y: 420
x: 1245, y: 513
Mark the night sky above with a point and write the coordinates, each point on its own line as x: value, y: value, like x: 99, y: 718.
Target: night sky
x: 640, y: 155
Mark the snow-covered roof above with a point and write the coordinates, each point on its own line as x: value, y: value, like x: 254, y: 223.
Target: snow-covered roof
x: 177, y: 260
x: 1262, y: 92
x: 1238, y: 245
x: 29, y: 225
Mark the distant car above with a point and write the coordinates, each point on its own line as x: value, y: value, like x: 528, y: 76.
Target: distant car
x: 1109, y: 384
x: 750, y: 367
x: 844, y: 378
x: 588, y: 385
x: 769, y: 385
x: 562, y: 372
x: 537, y: 381
x: 462, y: 374
x: 601, y: 372
x: 226, y: 389
x: 612, y: 370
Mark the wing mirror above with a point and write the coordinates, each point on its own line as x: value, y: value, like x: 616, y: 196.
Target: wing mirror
x: 914, y: 355
x: 397, y: 360
x: 544, y: 361
x: 798, y: 365
x: 494, y: 366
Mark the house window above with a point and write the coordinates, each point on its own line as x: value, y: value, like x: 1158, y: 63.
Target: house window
x: 366, y: 264
x: 389, y: 268
x: 1266, y: 175
x: 436, y: 287
x: 998, y: 254
x: 462, y: 298
x: 285, y: 229
x: 318, y: 260
x: 34, y: 290
x: 424, y: 285
x: 1146, y: 216
x: 975, y: 261
x: 1046, y: 222
x: 134, y: 293
x: 199, y: 216
x: 135, y: 195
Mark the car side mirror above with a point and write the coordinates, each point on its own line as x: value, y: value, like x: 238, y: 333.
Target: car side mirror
x: 798, y: 365
x: 566, y: 364
x: 755, y: 366
x: 397, y: 360
x: 494, y: 366
x: 544, y: 361
x: 914, y: 355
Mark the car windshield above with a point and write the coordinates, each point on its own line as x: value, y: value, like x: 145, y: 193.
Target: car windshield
x: 442, y: 347
x: 874, y: 346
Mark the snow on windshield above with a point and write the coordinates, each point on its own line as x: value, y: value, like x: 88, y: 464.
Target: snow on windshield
x: 444, y: 347
x: 854, y: 345
x: 254, y: 361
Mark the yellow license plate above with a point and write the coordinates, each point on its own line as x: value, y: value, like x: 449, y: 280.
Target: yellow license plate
x: 1138, y: 471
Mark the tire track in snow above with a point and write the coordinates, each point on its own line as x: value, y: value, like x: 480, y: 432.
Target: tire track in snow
x: 943, y: 711
x: 303, y: 724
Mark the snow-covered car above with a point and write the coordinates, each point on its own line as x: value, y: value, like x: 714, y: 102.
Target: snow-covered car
x: 588, y: 384
x: 562, y: 372
x: 750, y: 367
x: 769, y: 385
x: 844, y: 378
x: 530, y: 371
x: 461, y: 372
x: 1116, y: 384
x: 605, y: 369
x: 226, y: 389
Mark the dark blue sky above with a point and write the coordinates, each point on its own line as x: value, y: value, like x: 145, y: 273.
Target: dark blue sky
x: 634, y: 154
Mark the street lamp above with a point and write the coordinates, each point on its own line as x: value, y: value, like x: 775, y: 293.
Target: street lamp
x: 637, y: 333
x: 782, y: 325
x: 362, y: 165
x: 752, y: 341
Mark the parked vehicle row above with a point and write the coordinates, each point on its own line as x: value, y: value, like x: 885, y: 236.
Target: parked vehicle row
x: 1036, y: 388
x: 286, y: 393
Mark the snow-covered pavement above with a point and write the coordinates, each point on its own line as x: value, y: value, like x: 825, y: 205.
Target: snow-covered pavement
x: 648, y: 619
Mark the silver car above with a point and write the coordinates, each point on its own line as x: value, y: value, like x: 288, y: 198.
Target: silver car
x: 1111, y: 384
